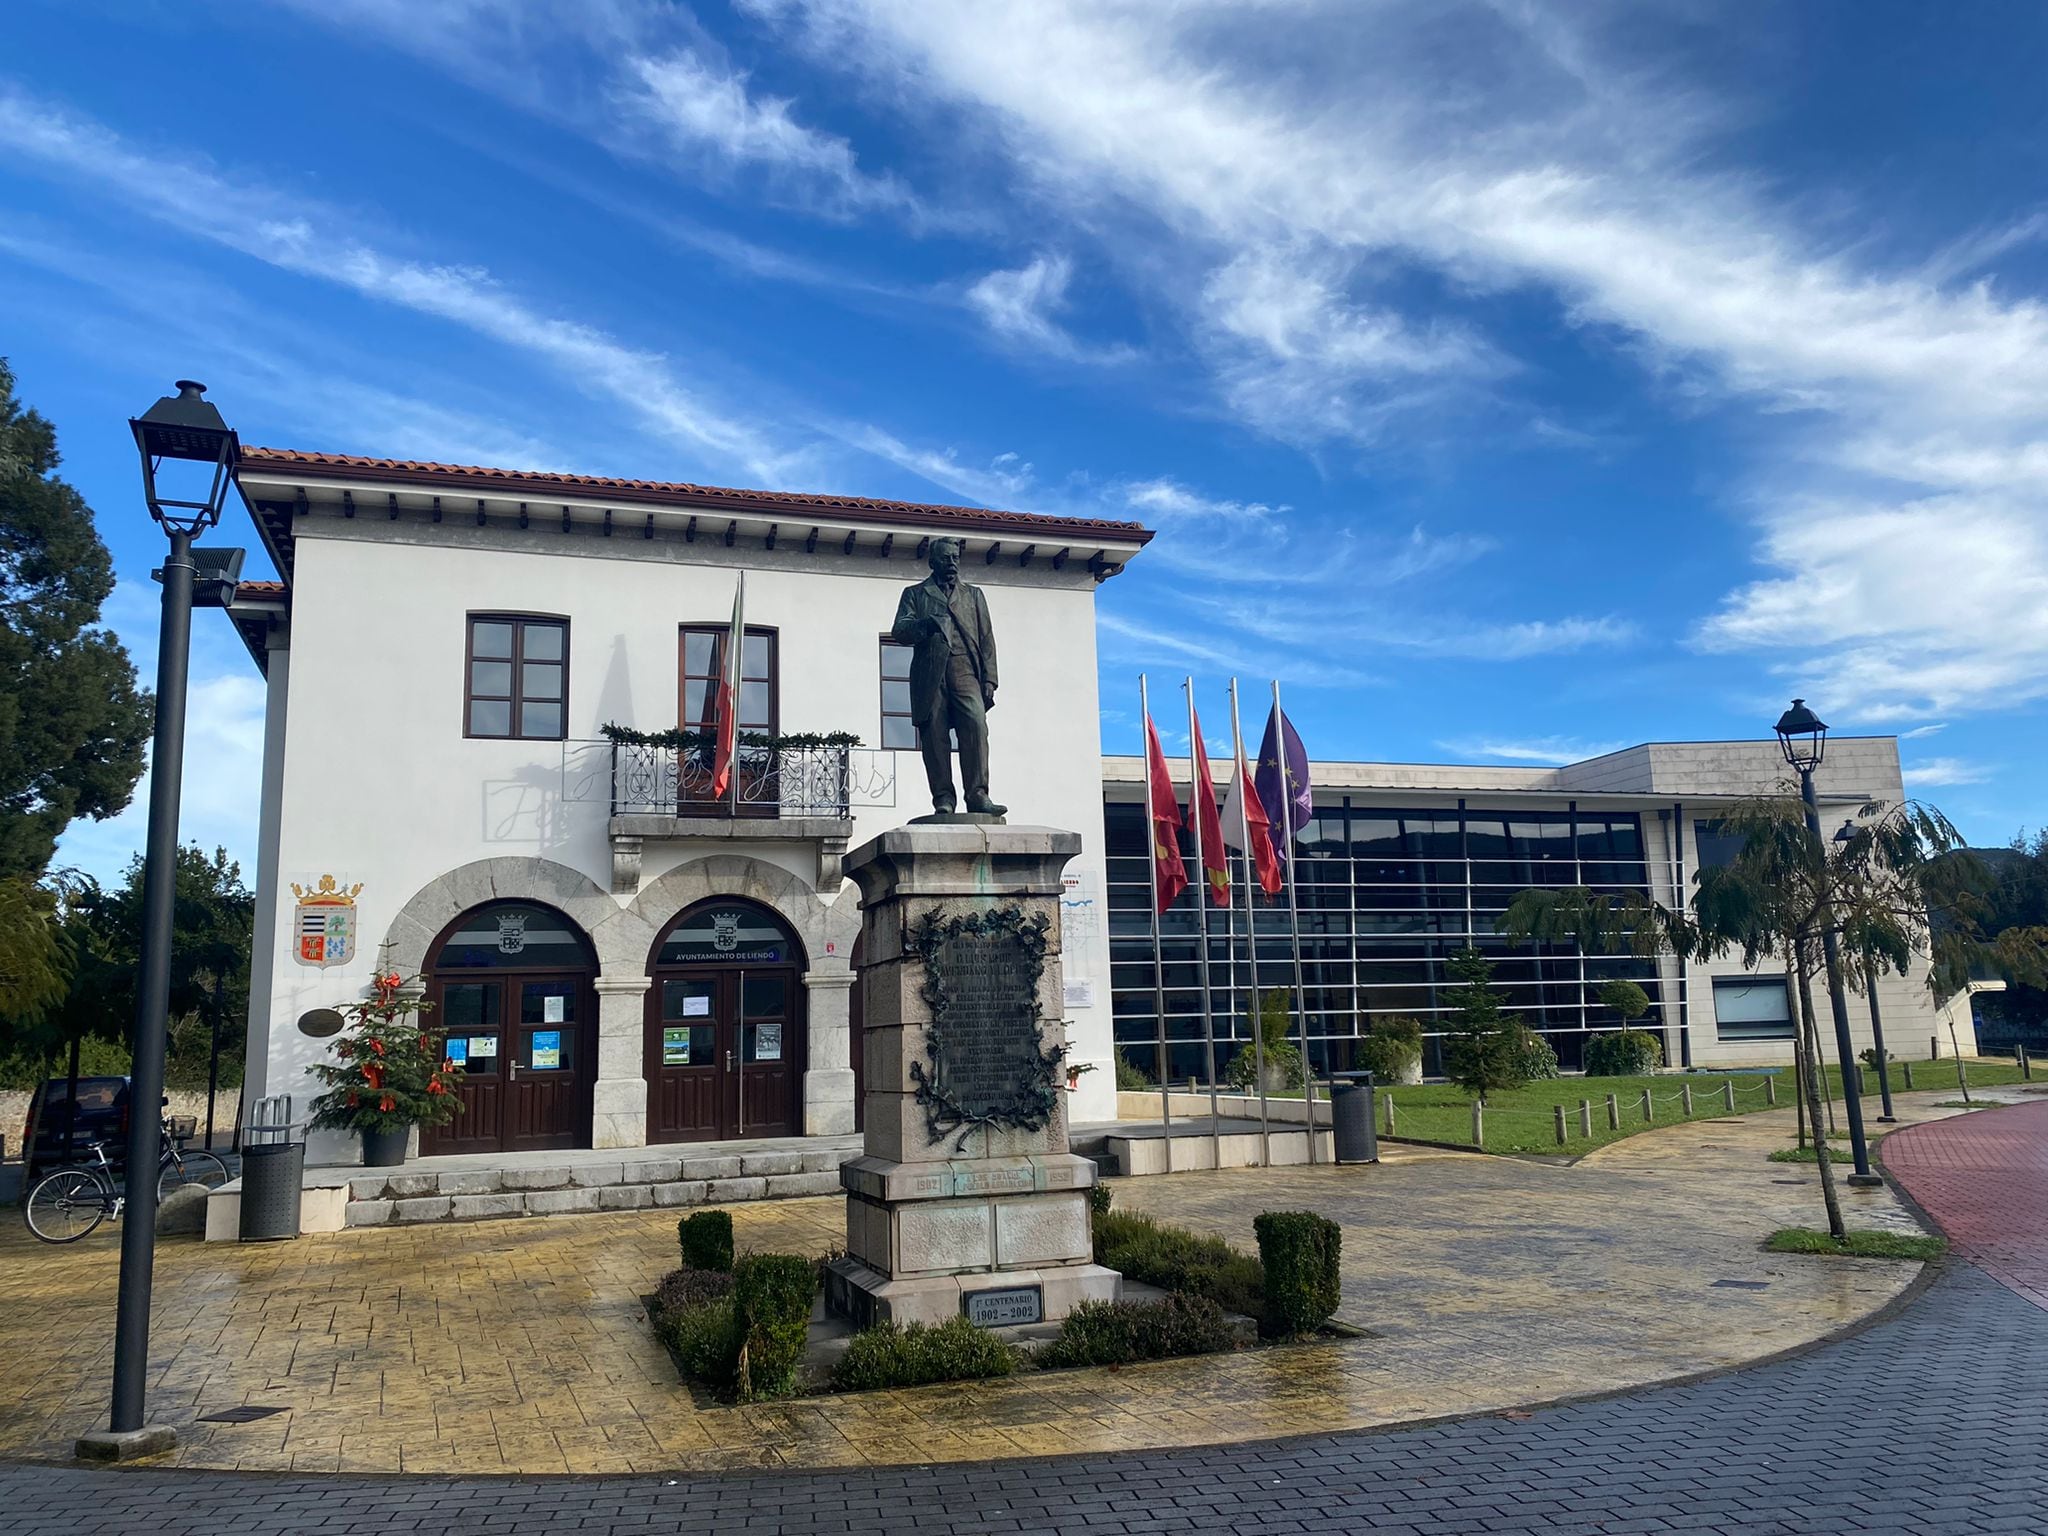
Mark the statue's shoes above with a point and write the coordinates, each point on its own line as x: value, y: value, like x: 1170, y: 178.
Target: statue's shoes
x: 987, y: 807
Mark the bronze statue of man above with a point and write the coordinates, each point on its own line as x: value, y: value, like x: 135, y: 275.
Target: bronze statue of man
x: 952, y: 678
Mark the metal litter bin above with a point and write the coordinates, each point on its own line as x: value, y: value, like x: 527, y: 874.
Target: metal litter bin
x: 273, y: 1174
x: 1351, y: 1118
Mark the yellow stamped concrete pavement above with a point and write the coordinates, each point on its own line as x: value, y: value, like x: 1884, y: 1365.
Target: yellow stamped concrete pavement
x: 521, y: 1346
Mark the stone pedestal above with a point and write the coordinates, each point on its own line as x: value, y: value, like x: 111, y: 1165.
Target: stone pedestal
x: 949, y: 1216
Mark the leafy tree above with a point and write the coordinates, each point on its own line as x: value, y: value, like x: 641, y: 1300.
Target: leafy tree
x: 1482, y: 1053
x: 73, y: 721
x: 1625, y: 998
x: 1899, y: 888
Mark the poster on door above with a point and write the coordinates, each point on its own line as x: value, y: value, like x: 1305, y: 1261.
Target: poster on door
x: 675, y: 1047
x: 767, y: 1042
x: 547, y: 1050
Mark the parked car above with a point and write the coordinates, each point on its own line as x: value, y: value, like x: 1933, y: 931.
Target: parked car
x: 99, y: 1113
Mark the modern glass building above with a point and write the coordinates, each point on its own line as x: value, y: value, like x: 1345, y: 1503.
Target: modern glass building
x: 1404, y: 865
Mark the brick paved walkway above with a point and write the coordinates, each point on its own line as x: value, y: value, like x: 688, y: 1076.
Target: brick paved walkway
x: 1984, y: 1178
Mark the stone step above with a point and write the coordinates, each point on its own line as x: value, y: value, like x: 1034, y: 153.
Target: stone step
x: 404, y: 1196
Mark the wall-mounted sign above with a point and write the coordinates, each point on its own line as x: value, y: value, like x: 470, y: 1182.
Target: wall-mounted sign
x: 547, y: 1050
x: 325, y: 922
x: 483, y: 1045
x: 554, y: 1010
x: 767, y: 1042
x: 320, y: 1023
x: 675, y: 1047
x: 1004, y: 1308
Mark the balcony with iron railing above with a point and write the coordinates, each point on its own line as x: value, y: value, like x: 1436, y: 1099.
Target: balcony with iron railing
x: 782, y: 789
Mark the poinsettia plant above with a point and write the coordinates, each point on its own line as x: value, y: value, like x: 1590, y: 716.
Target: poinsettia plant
x: 388, y: 1072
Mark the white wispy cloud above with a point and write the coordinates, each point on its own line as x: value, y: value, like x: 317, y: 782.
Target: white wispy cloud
x: 1930, y: 772
x: 1554, y: 751
x: 1022, y: 305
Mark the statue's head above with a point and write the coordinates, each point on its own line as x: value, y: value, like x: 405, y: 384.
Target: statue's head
x: 945, y: 558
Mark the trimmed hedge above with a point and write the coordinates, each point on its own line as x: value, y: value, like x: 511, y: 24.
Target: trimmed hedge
x: 771, y: 1298
x: 1624, y: 1053
x: 1177, y: 1260
x: 1300, y: 1253
x: 706, y: 1238
x: 891, y: 1356
x: 682, y: 1289
x: 1118, y: 1332
x: 707, y: 1340
x: 1532, y: 1057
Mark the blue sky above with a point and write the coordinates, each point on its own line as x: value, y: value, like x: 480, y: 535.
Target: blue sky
x: 1514, y: 381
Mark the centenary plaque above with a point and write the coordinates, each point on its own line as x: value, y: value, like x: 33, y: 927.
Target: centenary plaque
x: 1005, y: 1308
x: 984, y: 1065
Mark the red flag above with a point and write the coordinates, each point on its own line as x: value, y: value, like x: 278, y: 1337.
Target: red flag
x: 1258, y: 831
x: 1208, y: 826
x: 1169, y: 869
x: 727, y: 717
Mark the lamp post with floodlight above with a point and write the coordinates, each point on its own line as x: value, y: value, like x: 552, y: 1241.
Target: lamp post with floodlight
x: 1803, y: 738
x: 184, y: 429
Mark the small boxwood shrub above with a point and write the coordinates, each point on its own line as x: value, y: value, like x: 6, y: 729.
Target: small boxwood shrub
x: 1177, y: 1260
x: 1391, y: 1047
x: 682, y: 1289
x: 1533, y: 1060
x: 706, y: 1237
x: 913, y: 1356
x: 1099, y: 1198
x: 1623, y: 1053
x: 771, y: 1298
x: 1118, y: 1332
x: 707, y: 1340
x: 1301, y: 1253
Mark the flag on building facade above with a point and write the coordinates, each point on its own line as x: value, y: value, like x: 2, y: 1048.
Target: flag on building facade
x: 726, y: 718
x: 1169, y: 869
x: 1282, y: 780
x: 1241, y: 810
x: 1208, y: 828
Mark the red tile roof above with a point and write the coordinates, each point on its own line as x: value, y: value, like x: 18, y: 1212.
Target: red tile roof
x: 259, y: 589
x: 537, y: 484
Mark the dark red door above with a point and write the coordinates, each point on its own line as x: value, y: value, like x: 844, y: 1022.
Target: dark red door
x: 522, y: 1046
x: 723, y: 1054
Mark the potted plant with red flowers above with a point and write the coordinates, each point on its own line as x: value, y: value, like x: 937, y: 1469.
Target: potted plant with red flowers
x: 388, y: 1074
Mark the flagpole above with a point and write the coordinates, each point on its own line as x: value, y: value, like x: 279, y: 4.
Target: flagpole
x: 1251, y: 924
x: 1158, y: 967
x: 1308, y: 1074
x: 1202, y: 920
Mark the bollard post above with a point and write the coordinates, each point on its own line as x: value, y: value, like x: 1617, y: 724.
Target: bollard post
x: 2026, y: 1064
x: 1934, y: 1047
x: 1613, y: 1113
x: 1907, y: 1068
x: 1729, y: 1097
x: 1685, y: 1092
x: 1479, y: 1125
x: 1559, y: 1109
x: 1771, y: 1092
x: 1649, y: 1109
x: 1390, y: 1114
x: 1586, y: 1117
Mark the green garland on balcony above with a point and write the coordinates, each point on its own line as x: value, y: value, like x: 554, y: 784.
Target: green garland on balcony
x: 692, y: 741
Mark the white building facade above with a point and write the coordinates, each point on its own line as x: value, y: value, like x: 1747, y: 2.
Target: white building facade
x: 618, y: 958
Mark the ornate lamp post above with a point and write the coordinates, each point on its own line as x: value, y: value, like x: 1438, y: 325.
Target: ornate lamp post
x: 184, y: 428
x: 1803, y: 738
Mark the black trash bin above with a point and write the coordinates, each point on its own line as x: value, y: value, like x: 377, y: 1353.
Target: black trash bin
x: 1351, y: 1118
x: 273, y: 1183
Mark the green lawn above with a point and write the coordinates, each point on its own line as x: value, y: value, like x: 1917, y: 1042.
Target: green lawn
x: 1859, y: 1245
x: 1524, y: 1119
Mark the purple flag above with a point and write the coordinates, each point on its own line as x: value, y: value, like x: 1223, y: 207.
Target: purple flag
x: 1282, y: 780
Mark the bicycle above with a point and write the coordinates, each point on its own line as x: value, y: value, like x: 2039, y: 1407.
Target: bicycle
x: 68, y: 1203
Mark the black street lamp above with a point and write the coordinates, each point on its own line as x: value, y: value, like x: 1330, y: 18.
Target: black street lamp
x: 1803, y: 738
x: 184, y: 428
x: 1884, y: 1077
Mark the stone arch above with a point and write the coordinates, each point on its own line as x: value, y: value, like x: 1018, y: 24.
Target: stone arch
x: 615, y: 932
x: 826, y: 930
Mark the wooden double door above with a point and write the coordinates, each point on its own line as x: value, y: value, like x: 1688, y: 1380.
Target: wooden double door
x: 725, y: 1052
x: 524, y: 1047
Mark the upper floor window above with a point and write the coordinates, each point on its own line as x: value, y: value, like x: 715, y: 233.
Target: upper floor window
x: 899, y: 732
x: 1718, y: 844
x: 704, y: 664
x: 518, y: 683
x: 1752, y: 1008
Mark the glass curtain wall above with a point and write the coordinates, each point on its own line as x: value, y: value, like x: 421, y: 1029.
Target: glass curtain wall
x: 1386, y: 896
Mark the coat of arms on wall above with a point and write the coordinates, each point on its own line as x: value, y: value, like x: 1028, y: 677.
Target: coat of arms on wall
x: 725, y: 931
x: 511, y: 933
x: 326, y: 922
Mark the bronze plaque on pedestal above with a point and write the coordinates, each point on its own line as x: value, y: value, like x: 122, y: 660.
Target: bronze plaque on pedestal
x: 984, y: 1062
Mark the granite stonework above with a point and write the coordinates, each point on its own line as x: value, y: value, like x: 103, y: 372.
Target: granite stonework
x: 936, y: 1214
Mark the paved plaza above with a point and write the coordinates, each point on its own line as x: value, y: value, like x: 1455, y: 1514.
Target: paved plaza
x: 1929, y: 1420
